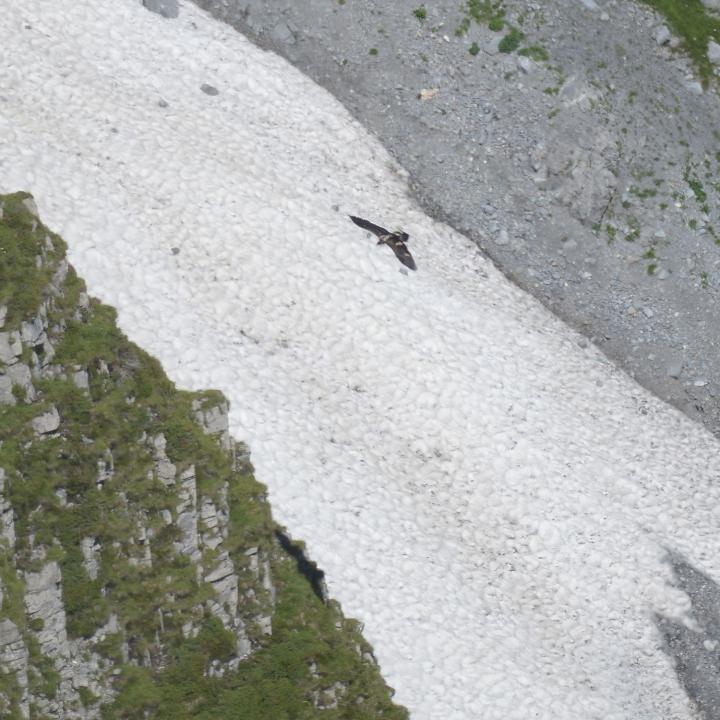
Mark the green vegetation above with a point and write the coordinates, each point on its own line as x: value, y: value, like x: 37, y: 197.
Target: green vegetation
x: 649, y: 254
x: 536, y: 53
x: 490, y: 12
x: 642, y: 193
x: 21, y: 282
x: 511, y: 41
x: 474, y: 49
x: 130, y: 518
x: 496, y: 23
x: 633, y: 232
x: 420, y: 13
x: 695, y: 185
x: 695, y: 26
x: 373, y: 51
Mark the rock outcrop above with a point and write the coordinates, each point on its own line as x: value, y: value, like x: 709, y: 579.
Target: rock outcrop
x: 140, y: 571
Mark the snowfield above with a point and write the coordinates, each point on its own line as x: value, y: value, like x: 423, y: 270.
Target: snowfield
x: 493, y: 501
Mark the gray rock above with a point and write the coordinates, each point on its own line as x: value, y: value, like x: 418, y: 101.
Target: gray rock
x: 3, y: 308
x: 491, y: 43
x: 106, y: 469
x: 675, y: 370
x: 10, y: 347
x: 662, y: 35
x: 282, y: 33
x: 47, y: 422
x: 6, y: 394
x: 90, y: 549
x: 711, y: 4
x: 214, y: 420
x: 166, y: 8
x: 502, y: 238
x: 20, y: 374
x: 43, y: 600
x: 14, y: 657
x: 695, y: 87
x: 81, y: 379
x: 525, y: 64
x: 713, y: 52
x: 165, y: 470
x: 187, y: 516
x: 209, y: 89
x: 7, y: 517
x: 32, y: 332
x: 30, y: 206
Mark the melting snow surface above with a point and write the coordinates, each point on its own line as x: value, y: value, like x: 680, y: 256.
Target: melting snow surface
x: 491, y: 500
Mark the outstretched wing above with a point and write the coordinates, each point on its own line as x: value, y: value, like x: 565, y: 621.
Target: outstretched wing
x: 367, y: 225
x: 403, y: 254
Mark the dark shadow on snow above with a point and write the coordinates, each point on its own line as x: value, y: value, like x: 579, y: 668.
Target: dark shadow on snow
x: 307, y: 568
x: 696, y: 653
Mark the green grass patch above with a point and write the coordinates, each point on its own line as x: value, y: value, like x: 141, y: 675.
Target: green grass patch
x: 536, y: 53
x: 695, y: 26
x: 642, y: 193
x: 420, y: 13
x: 633, y: 232
x: 695, y: 185
x: 496, y: 24
x: 23, y: 284
x: 511, y: 41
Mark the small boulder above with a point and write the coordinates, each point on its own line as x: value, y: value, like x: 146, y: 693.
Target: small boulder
x: 282, y: 33
x: 662, y: 35
x: 714, y: 52
x: 47, y: 422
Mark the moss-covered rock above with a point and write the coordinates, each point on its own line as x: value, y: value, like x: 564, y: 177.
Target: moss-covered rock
x: 140, y: 570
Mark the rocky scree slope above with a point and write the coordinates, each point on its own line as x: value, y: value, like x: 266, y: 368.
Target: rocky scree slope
x: 572, y: 140
x: 141, y: 574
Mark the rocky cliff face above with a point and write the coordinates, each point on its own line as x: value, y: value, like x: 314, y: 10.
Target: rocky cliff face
x: 141, y: 574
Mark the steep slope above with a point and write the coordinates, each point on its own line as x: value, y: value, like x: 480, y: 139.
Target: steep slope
x: 571, y: 139
x: 489, y: 494
x: 140, y: 569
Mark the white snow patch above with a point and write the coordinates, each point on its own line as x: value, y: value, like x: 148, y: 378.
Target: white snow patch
x: 492, y: 501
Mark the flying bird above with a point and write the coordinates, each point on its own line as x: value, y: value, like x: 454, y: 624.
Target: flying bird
x: 396, y: 240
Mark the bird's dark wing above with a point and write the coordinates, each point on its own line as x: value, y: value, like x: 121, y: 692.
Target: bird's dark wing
x: 367, y: 225
x: 403, y: 254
